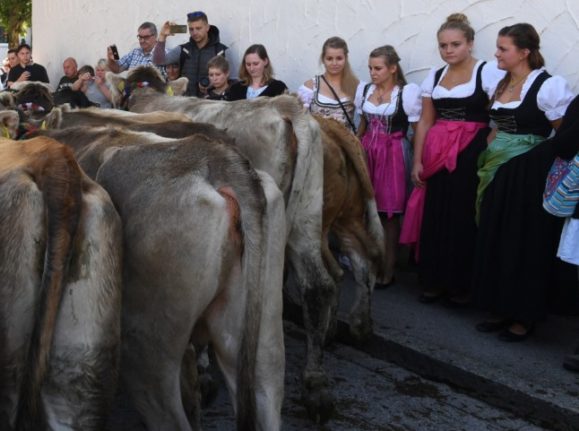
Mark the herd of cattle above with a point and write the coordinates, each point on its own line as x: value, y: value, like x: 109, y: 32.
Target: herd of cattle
x: 126, y: 238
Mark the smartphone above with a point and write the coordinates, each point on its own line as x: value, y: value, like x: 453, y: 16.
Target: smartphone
x: 115, y: 52
x: 176, y: 28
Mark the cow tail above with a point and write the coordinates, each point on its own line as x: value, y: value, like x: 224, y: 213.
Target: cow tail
x: 354, y: 152
x: 252, y: 208
x: 59, y: 179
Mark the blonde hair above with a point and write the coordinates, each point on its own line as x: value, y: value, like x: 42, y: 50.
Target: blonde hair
x: 458, y: 21
x: 261, y: 52
x: 349, y: 80
x: 390, y: 56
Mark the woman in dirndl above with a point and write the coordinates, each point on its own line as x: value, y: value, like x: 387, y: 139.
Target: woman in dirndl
x: 516, y: 271
x: 451, y: 133
x: 388, y: 106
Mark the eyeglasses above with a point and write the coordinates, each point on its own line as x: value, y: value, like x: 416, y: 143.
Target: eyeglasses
x: 145, y: 37
x: 194, y: 16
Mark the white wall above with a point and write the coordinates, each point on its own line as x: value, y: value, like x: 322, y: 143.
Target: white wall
x: 294, y: 30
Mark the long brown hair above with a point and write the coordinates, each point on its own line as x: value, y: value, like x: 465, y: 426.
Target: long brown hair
x: 349, y: 80
x: 523, y: 36
x: 261, y: 52
x: 390, y: 56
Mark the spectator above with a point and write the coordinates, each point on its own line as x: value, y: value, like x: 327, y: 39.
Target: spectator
x: 450, y: 135
x: 173, y: 71
x: 219, y: 82
x: 26, y: 70
x: 335, y: 93
x: 4, y: 70
x: 94, y: 86
x: 388, y: 106
x: 68, y: 90
x: 70, y: 69
x: 147, y: 37
x: 192, y: 56
x: 256, y: 76
x: 516, y: 271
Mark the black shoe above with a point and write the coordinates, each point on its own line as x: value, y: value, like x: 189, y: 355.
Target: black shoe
x: 492, y: 325
x: 453, y: 302
x: 385, y: 285
x: 429, y: 298
x: 571, y: 362
x: 511, y: 337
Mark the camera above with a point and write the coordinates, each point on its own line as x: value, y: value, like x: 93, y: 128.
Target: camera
x: 204, y: 81
x: 115, y: 52
x: 176, y: 28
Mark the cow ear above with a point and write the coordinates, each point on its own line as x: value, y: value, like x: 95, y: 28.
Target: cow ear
x: 179, y: 86
x: 7, y: 99
x: 117, y: 85
x: 54, y: 119
x: 9, y: 121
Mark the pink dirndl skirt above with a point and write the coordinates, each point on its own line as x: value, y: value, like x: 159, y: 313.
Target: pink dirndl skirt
x: 387, y: 167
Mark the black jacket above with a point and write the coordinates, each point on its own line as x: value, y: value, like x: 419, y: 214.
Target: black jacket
x: 193, y: 60
x: 274, y: 88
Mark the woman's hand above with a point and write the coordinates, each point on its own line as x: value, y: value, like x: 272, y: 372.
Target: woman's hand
x: 416, y: 174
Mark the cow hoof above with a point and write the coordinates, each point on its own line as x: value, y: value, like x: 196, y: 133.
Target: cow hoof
x: 361, y: 329
x: 318, y: 398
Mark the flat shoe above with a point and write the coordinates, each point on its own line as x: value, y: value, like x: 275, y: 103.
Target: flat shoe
x: 385, y: 285
x: 571, y: 362
x: 492, y: 326
x: 511, y: 337
x: 429, y: 299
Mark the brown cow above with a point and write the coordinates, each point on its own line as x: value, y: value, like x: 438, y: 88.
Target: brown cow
x: 350, y: 214
x: 60, y: 272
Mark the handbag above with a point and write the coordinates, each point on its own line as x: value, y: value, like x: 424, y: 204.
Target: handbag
x: 352, y: 125
x: 562, y: 188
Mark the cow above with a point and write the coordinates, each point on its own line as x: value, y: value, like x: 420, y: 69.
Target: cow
x: 278, y: 137
x: 60, y: 291
x: 166, y: 124
x: 204, y: 242
x: 351, y: 216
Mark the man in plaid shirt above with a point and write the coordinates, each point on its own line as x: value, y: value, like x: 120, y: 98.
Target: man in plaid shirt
x: 147, y: 36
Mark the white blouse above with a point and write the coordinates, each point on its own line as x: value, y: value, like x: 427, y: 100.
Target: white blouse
x: 553, y: 97
x: 306, y: 95
x: 490, y: 77
x: 411, y: 102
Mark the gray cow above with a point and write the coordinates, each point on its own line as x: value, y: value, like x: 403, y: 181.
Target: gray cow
x: 282, y: 140
x: 204, y: 241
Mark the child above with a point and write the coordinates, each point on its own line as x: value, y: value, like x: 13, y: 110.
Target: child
x: 219, y: 82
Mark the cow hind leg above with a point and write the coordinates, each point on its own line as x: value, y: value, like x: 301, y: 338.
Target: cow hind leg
x: 318, y: 293
x: 360, y: 313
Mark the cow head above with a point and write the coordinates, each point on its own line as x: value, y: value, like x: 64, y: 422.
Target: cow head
x: 7, y: 100
x: 143, y: 79
x: 9, y: 121
x: 33, y: 99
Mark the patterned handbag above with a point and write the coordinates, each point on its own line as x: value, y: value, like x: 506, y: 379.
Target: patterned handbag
x: 562, y: 189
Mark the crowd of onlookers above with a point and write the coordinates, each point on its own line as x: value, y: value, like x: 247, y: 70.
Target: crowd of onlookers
x: 464, y: 189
